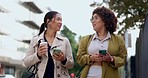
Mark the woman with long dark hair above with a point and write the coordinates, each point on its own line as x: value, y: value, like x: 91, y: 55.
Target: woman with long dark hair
x: 51, y: 50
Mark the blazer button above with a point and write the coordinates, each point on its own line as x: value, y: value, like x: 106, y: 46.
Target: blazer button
x: 58, y: 67
x: 58, y: 75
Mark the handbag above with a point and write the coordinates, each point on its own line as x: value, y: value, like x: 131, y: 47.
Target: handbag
x: 30, y: 72
x: 79, y: 72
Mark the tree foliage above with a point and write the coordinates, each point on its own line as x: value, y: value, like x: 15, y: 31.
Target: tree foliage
x: 133, y: 12
x: 71, y: 36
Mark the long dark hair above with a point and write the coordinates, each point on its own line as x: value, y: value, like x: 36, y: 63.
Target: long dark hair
x: 49, y: 16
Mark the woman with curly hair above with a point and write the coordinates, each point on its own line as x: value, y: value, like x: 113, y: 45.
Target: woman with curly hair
x: 102, y: 53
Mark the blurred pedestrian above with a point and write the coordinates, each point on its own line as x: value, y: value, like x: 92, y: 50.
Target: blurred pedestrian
x: 52, y: 50
x: 104, y: 52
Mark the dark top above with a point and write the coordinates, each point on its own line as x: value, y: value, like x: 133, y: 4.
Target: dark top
x: 49, y: 71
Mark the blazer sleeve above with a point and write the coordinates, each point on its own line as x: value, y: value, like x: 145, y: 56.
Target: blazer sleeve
x: 120, y: 60
x: 83, y: 58
x: 69, y: 56
x: 31, y: 57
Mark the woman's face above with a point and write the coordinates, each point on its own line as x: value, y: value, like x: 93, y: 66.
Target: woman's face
x: 56, y: 22
x: 97, y: 23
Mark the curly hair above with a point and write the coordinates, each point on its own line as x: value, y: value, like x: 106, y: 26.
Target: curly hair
x: 108, y: 17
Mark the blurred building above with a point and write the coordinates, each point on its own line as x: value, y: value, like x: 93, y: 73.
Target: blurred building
x: 20, y: 20
x: 124, y: 70
x: 130, y: 68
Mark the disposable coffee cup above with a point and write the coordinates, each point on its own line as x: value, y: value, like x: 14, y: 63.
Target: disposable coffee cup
x: 43, y: 44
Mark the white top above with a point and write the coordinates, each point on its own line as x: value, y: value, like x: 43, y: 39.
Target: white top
x: 95, y: 45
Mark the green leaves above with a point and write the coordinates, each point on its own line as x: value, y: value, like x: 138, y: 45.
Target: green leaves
x: 71, y: 36
x: 134, y: 12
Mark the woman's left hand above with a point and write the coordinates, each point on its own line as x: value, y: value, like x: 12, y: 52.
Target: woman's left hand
x: 59, y: 57
x: 107, y: 57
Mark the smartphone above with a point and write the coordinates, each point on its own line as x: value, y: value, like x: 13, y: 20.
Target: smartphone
x: 56, y: 51
x: 103, y: 52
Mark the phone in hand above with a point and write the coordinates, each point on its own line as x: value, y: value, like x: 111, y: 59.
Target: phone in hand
x: 103, y: 52
x: 56, y: 51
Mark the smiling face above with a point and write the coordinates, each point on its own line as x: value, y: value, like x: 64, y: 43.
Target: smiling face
x: 97, y: 23
x: 56, y: 22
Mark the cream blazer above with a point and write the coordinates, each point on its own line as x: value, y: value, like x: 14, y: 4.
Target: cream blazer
x: 60, y: 70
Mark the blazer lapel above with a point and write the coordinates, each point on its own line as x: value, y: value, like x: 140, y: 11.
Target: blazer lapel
x: 57, y: 42
x: 109, y: 49
x: 40, y: 37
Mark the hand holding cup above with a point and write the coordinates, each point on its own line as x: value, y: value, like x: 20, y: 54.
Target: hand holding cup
x: 43, y: 48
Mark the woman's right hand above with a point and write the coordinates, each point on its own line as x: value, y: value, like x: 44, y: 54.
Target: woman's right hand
x: 42, y: 50
x: 96, y: 58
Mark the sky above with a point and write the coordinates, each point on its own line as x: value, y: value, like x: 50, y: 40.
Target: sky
x: 76, y: 16
x: 75, y: 13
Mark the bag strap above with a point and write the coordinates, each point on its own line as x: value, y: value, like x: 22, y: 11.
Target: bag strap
x: 29, y: 68
x: 34, y: 68
x: 78, y: 74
